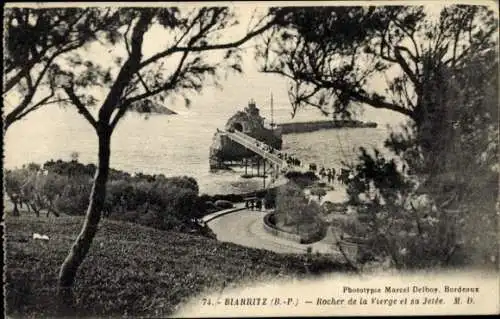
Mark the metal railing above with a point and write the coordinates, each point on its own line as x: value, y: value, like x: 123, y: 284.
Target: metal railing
x: 255, y: 146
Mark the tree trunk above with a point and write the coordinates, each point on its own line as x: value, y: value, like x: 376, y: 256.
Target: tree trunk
x: 35, y: 209
x: 83, y: 242
x: 15, y: 212
x: 51, y: 209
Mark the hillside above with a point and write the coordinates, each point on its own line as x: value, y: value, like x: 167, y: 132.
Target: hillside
x: 131, y: 270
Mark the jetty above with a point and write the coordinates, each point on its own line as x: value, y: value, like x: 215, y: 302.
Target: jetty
x: 255, y: 146
x: 303, y: 127
x: 247, y: 138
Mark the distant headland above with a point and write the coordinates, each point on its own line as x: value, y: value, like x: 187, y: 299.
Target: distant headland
x: 246, y: 132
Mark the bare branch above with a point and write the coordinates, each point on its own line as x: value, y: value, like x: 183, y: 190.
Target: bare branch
x: 357, y: 95
x: 406, y: 68
x: 38, y: 56
x: 380, y: 104
x: 15, y: 79
x: 121, y: 111
x: 167, y: 85
x: 80, y: 106
x: 37, y: 105
x: 127, y: 47
x: 125, y: 35
x: 470, y: 47
x: 221, y: 46
x: 410, y: 35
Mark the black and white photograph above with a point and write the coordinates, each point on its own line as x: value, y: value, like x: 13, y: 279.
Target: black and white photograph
x: 254, y: 158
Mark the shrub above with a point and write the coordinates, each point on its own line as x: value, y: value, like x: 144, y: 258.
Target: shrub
x: 74, y: 196
x: 302, y: 179
x: 294, y: 213
x: 146, y: 199
x: 149, y: 219
x: 185, y: 182
x: 270, y: 199
x: 224, y: 204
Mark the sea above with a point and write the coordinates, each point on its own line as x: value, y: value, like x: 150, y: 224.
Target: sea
x: 177, y: 145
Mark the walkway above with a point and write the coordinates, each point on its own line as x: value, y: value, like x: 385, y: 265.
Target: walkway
x: 245, y: 227
x: 251, y: 144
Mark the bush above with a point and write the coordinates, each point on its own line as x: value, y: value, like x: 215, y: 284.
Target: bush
x: 302, y: 179
x: 352, y: 227
x: 295, y: 214
x: 224, y: 204
x: 318, y: 191
x: 151, y: 200
x: 210, y: 205
x: 149, y: 219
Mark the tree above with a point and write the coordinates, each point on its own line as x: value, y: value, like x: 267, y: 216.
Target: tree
x: 182, y: 65
x: 13, y: 184
x: 35, y: 39
x: 294, y: 212
x: 49, y: 186
x: 333, y: 55
x: 442, y: 74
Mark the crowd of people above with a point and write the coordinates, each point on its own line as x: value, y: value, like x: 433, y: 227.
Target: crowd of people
x: 255, y: 203
x: 344, y: 176
x: 328, y: 173
x: 291, y: 160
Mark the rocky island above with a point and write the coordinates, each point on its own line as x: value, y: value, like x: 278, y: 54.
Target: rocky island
x: 303, y: 127
x: 250, y: 122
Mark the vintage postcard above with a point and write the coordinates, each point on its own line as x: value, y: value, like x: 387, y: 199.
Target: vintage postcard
x: 235, y: 159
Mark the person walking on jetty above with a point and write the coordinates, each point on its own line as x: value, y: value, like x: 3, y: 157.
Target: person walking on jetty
x: 333, y: 175
x: 322, y: 172
x: 258, y: 204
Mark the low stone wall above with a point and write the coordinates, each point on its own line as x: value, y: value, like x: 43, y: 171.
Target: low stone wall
x: 220, y: 213
x: 270, y: 227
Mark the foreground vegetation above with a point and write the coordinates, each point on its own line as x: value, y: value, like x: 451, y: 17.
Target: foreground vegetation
x: 132, y: 270
x: 63, y: 187
x: 432, y: 200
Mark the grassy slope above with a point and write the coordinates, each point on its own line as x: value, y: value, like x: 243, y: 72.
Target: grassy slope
x: 130, y: 269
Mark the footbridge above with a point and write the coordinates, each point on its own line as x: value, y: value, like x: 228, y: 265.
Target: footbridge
x: 256, y: 146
